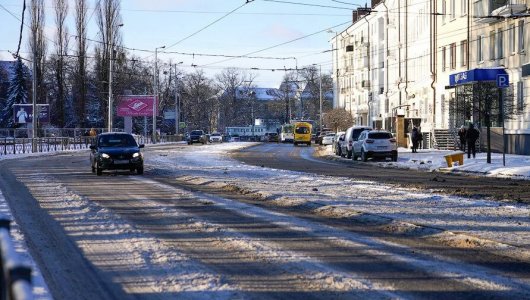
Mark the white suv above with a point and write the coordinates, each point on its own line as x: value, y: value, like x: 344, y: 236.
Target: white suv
x: 350, y: 136
x: 375, y: 143
x: 216, y: 138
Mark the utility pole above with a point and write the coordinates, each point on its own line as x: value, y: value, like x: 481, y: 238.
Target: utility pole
x: 109, y: 121
x: 320, y: 92
x: 155, y: 89
x: 34, y: 96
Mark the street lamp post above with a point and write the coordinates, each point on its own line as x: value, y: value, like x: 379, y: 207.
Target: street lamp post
x: 155, y: 89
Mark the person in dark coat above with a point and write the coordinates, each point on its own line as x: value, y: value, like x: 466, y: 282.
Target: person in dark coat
x: 416, y: 137
x: 472, y: 135
x: 462, y: 135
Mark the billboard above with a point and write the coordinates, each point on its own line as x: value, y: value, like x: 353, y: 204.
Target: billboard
x: 23, y: 113
x: 135, y: 106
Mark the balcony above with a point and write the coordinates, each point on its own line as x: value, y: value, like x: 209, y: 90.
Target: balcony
x: 492, y: 11
x: 511, y: 8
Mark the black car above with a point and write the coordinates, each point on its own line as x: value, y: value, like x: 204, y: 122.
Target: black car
x: 116, y: 151
x: 197, y: 136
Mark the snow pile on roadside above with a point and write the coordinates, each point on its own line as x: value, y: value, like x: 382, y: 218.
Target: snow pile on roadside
x: 514, y: 166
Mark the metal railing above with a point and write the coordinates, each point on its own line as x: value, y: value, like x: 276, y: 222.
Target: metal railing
x: 15, y: 275
x: 9, y: 145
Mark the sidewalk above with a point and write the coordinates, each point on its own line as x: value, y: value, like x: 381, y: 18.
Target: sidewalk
x: 516, y: 166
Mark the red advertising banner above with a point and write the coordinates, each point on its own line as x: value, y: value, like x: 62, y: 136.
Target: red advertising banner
x: 135, y: 106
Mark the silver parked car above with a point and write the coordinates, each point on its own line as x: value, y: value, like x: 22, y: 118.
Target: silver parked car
x: 375, y: 143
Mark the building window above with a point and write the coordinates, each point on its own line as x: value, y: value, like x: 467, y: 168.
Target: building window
x: 444, y: 10
x: 500, y: 43
x: 443, y: 59
x: 492, y: 45
x: 521, y: 35
x: 452, y: 56
x: 464, y: 7
x: 520, y: 96
x: 480, y: 47
x: 453, y: 9
x: 511, y: 41
x: 479, y: 9
x: 463, y: 53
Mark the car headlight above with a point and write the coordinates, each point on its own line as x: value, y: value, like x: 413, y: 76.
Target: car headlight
x: 105, y: 155
x: 137, y: 154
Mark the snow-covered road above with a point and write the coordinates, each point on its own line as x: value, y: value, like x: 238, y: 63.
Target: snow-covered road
x: 163, y: 235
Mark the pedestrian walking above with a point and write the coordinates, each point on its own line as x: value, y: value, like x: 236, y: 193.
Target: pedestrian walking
x: 472, y: 135
x: 416, y: 137
x: 462, y: 135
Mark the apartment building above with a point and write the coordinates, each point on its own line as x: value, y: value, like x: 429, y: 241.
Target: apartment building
x: 422, y: 60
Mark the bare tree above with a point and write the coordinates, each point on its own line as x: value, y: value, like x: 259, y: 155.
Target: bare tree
x: 108, y: 21
x: 37, y: 44
x: 200, y: 102
x: 287, y: 94
x: 80, y: 97
x: 338, y: 119
x: 232, y: 106
x: 61, y: 49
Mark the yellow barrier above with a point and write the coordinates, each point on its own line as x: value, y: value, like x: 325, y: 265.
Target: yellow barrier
x: 452, y: 158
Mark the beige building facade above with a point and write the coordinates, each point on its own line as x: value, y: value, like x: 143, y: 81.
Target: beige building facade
x: 400, y: 58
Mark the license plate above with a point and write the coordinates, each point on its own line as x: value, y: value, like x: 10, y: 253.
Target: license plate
x: 121, y: 161
x: 381, y: 147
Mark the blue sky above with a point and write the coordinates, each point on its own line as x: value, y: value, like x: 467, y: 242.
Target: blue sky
x: 252, y: 27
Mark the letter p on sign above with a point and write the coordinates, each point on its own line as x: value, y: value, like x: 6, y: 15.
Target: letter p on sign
x: 503, y: 81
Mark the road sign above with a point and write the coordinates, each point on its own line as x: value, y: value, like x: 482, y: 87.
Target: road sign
x: 503, y: 81
x: 135, y: 106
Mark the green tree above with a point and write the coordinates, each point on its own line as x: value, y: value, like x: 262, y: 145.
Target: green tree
x: 17, y: 93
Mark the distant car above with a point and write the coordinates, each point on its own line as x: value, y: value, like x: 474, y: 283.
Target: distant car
x: 320, y: 137
x: 271, y: 137
x: 216, y: 137
x: 197, y: 136
x: 339, y: 138
x: 234, y: 138
x: 351, y: 135
x: 328, y: 139
x: 375, y: 143
x: 116, y: 151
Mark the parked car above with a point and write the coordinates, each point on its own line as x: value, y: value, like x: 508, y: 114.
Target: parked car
x: 351, y: 135
x: 116, y: 151
x: 320, y: 136
x: 271, y: 137
x: 328, y: 139
x: 375, y: 143
x: 216, y: 137
x: 197, y: 136
x: 234, y: 138
x: 339, y: 138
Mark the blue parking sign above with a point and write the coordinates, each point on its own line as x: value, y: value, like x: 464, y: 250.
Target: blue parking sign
x: 503, y: 81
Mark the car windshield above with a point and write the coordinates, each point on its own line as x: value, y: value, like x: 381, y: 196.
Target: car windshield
x: 379, y: 135
x: 330, y: 134
x: 195, y: 132
x: 357, y: 132
x: 119, y: 140
x: 302, y: 130
x: 216, y: 134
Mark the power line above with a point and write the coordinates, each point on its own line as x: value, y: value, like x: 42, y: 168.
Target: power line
x: 212, y: 23
x: 281, y: 44
x: 306, y: 4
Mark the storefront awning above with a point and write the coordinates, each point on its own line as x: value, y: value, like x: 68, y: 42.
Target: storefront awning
x: 479, y: 74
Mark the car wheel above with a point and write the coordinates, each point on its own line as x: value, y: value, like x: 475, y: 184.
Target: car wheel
x: 348, y: 155
x: 140, y: 170
x: 354, y: 155
x: 394, y: 157
x: 99, y: 171
x: 364, y: 156
x: 189, y: 143
x: 93, y: 169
